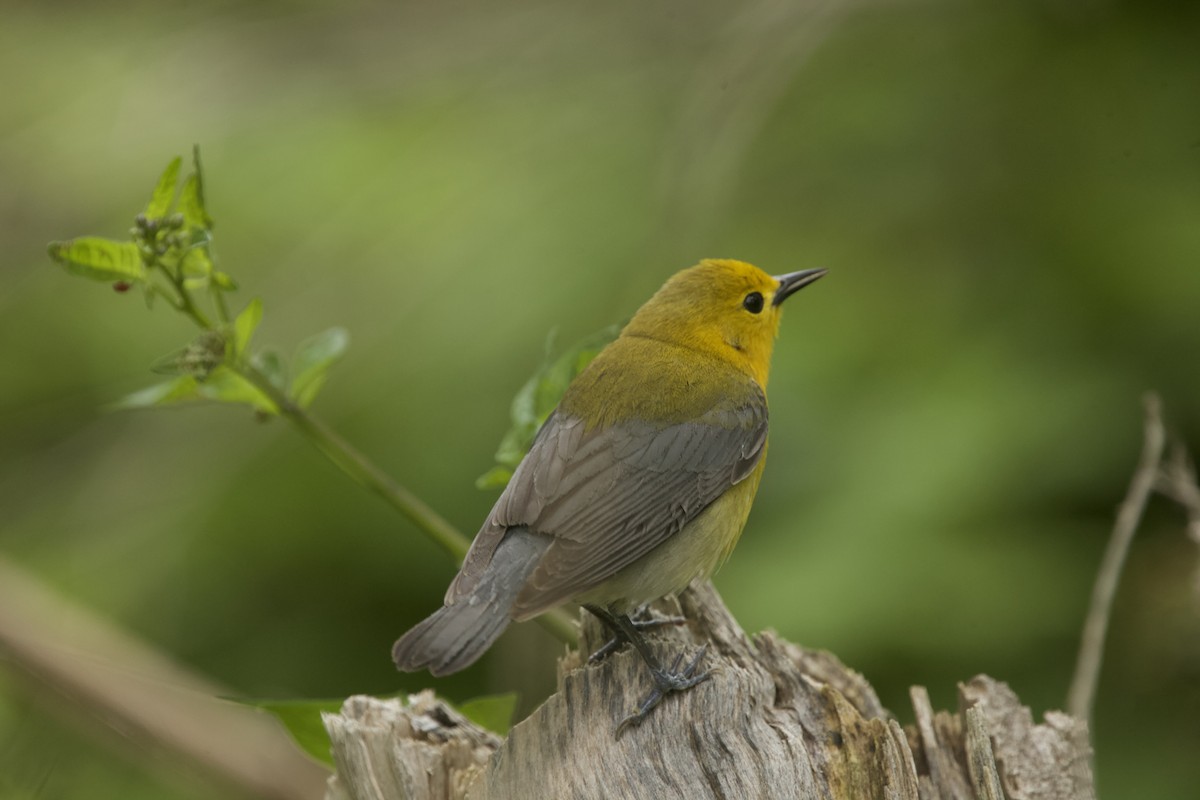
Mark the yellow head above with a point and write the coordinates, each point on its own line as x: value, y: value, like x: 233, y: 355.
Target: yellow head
x: 724, y: 308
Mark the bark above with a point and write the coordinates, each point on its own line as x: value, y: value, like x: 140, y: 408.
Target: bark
x: 774, y: 721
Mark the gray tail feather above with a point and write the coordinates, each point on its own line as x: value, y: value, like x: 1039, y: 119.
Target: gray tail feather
x: 457, y: 634
x: 452, y: 638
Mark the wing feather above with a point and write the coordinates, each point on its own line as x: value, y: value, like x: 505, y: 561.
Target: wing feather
x: 654, y: 480
x: 608, y: 496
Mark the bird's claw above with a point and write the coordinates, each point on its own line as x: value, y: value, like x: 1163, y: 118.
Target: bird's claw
x: 666, y: 682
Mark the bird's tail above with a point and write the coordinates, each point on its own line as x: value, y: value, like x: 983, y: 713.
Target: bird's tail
x: 457, y: 634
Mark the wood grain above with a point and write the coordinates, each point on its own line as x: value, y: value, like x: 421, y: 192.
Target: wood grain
x: 774, y: 721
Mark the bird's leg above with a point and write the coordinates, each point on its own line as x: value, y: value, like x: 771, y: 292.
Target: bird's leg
x: 666, y: 681
x: 643, y: 619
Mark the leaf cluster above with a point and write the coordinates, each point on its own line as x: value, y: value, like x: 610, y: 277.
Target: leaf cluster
x: 169, y: 254
x: 537, y: 398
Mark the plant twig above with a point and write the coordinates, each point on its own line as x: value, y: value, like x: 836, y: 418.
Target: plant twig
x: 368, y: 475
x: 1082, y: 694
x: 142, y: 699
x: 360, y: 468
x: 1177, y: 480
x: 158, y: 251
x: 337, y: 449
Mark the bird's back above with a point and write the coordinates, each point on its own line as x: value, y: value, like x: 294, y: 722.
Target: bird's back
x: 637, y: 450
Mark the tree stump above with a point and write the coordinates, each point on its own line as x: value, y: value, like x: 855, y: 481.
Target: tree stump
x: 774, y: 721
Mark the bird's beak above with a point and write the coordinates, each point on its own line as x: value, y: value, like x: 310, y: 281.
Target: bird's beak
x: 793, y: 282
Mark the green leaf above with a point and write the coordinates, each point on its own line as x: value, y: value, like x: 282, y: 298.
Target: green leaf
x: 223, y: 385
x: 224, y: 282
x: 244, y: 325
x: 149, y: 292
x: 196, y: 261
x: 270, y: 364
x: 313, y: 359
x: 495, y: 478
x: 179, y: 390
x: 191, y: 203
x: 519, y: 437
x: 537, y: 398
x: 164, y: 193
x: 523, y: 412
x: 99, y: 259
x: 197, y: 198
x: 202, y: 355
x: 494, y: 712
x: 302, y: 718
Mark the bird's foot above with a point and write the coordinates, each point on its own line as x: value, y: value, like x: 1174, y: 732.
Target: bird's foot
x: 647, y: 620
x: 666, y: 682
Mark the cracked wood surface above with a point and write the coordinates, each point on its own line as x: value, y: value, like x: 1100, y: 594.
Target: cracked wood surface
x: 774, y: 721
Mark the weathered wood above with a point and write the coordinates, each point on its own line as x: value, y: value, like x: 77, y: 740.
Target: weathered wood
x: 1034, y: 762
x: 774, y: 721
x: 421, y: 749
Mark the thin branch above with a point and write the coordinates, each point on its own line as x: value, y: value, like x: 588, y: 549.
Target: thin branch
x: 360, y: 468
x: 338, y: 450
x: 84, y: 666
x: 364, y: 472
x: 1082, y: 694
x: 1177, y: 480
x: 356, y: 465
x: 188, y: 306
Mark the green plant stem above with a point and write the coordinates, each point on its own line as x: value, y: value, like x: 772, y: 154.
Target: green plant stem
x: 557, y: 622
x: 218, y: 297
x: 186, y: 304
x: 364, y: 472
x: 560, y: 624
x: 360, y: 468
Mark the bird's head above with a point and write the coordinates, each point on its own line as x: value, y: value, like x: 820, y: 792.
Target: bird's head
x: 725, y: 308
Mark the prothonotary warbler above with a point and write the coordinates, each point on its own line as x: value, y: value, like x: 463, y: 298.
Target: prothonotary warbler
x: 639, y: 481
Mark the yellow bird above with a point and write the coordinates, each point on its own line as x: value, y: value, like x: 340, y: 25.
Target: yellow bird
x: 639, y: 481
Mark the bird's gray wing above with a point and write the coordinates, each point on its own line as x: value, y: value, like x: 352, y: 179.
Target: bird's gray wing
x: 610, y: 495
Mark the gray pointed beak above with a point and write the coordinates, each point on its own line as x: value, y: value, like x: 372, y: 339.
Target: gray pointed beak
x: 794, y: 282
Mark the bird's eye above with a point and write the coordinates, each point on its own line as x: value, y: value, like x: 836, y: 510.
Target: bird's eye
x: 753, y: 302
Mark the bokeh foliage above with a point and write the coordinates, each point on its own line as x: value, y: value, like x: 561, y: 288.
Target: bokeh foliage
x: 1006, y: 195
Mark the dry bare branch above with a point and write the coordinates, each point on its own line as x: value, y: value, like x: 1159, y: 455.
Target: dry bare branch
x: 146, y: 700
x: 1082, y: 693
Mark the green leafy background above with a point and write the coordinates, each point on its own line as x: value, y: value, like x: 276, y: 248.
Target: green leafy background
x: 1007, y: 196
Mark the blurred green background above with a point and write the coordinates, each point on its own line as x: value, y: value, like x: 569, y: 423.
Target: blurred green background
x: 1007, y: 196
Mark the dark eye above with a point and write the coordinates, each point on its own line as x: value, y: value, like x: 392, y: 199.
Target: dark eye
x: 753, y: 302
